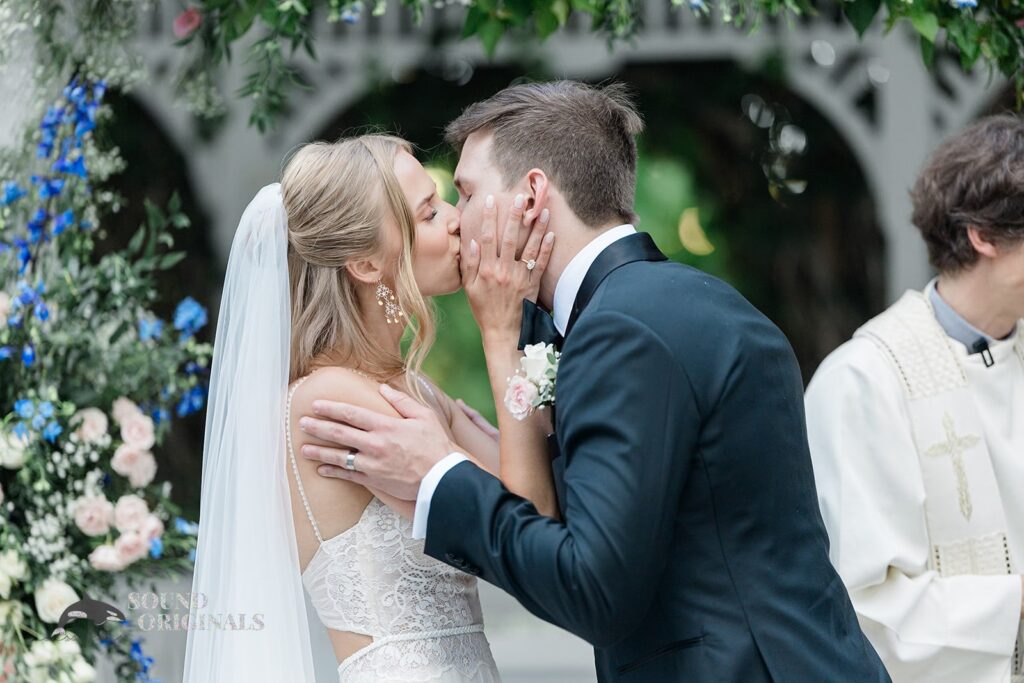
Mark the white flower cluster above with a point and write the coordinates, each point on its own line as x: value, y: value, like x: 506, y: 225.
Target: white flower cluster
x: 47, y: 530
x: 12, y: 570
x: 56, y: 662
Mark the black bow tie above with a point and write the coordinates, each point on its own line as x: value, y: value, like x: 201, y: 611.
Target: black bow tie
x: 538, y: 327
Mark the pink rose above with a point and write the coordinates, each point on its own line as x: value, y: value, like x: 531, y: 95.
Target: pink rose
x: 93, y: 425
x: 143, y: 471
x: 130, y: 513
x: 131, y: 546
x: 123, y: 408
x: 125, y: 458
x: 106, y: 559
x: 93, y: 515
x: 520, y: 397
x: 152, y: 528
x: 137, y: 430
x: 187, y: 22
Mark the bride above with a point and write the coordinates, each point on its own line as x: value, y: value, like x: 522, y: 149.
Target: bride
x: 326, y: 272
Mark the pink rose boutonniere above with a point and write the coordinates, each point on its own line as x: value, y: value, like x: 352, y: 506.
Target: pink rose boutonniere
x: 533, y: 385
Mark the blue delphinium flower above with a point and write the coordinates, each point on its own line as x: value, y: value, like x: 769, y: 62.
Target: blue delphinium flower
x: 189, y: 317
x: 52, y: 431
x: 63, y: 222
x: 24, y: 408
x: 42, y: 311
x: 160, y: 415
x: 150, y: 328
x: 12, y: 192
x: 38, y: 422
x: 45, y: 409
x: 156, y: 548
x: 965, y: 4
x: 37, y: 226
x: 28, y: 355
x: 352, y: 13
x: 192, y: 402
x: 183, y: 526
x: 5, y: 352
x: 21, y: 431
x: 48, y: 187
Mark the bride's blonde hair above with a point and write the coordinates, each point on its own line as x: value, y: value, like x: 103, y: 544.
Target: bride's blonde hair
x: 338, y: 197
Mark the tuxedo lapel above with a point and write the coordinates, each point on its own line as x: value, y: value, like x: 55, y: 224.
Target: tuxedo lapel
x: 637, y: 247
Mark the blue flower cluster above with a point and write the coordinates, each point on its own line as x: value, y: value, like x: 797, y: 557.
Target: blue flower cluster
x: 192, y: 402
x: 150, y: 328
x: 63, y: 129
x: 185, y: 527
x: 36, y: 416
x: 189, y: 317
x: 145, y: 663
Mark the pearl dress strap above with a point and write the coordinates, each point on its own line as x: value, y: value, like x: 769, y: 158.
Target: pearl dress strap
x: 291, y: 455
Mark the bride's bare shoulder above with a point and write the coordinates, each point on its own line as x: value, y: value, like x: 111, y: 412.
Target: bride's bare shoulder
x: 338, y: 384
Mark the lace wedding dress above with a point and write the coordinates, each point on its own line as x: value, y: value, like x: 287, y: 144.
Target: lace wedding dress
x: 374, y: 579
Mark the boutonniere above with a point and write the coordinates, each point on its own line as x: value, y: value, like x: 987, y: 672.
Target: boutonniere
x: 533, y: 385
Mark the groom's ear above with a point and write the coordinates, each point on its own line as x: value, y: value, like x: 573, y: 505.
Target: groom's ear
x: 537, y: 197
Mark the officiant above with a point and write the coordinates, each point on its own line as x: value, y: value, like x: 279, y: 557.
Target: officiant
x: 916, y: 429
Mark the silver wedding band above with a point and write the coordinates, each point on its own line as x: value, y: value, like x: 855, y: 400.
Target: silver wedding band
x: 350, y: 462
x: 531, y: 264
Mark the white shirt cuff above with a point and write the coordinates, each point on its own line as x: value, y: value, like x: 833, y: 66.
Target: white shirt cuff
x: 426, y: 492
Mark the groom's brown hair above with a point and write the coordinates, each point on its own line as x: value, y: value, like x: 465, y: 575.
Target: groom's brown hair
x: 582, y: 136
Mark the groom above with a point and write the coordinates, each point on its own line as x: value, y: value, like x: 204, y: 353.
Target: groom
x: 692, y: 548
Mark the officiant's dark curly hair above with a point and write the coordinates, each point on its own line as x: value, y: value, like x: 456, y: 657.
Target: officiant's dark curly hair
x: 582, y: 136
x: 975, y: 179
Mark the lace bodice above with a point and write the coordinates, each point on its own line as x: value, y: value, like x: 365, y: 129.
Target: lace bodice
x: 374, y: 579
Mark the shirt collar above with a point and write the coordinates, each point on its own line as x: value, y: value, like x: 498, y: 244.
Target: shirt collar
x: 953, y: 323
x: 568, y: 285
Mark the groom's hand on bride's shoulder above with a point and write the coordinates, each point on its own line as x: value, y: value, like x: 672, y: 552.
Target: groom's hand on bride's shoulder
x: 391, y: 454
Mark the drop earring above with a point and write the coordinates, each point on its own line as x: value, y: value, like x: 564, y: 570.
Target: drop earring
x: 386, y: 298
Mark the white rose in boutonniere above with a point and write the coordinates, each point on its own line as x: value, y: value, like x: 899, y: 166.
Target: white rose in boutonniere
x: 535, y: 387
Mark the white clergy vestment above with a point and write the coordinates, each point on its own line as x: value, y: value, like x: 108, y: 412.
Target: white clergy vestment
x: 927, y: 626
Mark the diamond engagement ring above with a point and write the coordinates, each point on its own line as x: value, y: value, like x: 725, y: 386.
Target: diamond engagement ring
x: 531, y: 264
x: 350, y: 462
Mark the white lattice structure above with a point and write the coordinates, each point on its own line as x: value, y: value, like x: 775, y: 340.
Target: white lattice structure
x: 911, y: 112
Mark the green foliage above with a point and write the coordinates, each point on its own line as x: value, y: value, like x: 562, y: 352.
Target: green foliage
x: 991, y: 31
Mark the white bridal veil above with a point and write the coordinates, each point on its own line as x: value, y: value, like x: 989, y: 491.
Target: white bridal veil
x: 248, y: 621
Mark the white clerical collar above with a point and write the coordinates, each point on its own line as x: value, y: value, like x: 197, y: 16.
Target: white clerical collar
x: 568, y: 285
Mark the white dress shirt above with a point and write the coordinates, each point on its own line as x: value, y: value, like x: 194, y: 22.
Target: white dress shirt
x: 566, y: 289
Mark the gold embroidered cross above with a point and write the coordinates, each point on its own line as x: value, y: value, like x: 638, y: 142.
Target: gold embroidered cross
x: 955, y: 447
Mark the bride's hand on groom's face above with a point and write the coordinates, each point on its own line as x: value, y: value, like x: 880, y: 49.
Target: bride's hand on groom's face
x: 496, y: 283
x: 392, y: 454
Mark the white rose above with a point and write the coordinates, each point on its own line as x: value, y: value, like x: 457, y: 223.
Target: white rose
x: 5, y: 586
x: 12, y: 565
x: 106, y: 559
x: 131, y: 546
x: 124, y: 408
x: 93, y: 425
x: 93, y: 515
x: 52, y: 598
x: 45, y: 651
x: 130, y: 512
x: 82, y: 672
x: 138, y: 431
x: 535, y: 362
x: 10, y: 614
x: 68, y: 649
x: 520, y: 397
x: 143, y: 471
x: 5, y: 309
x: 12, y: 450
